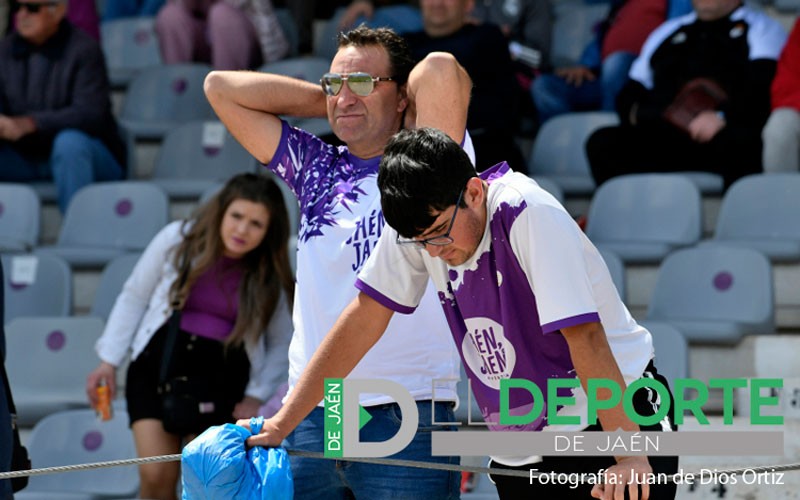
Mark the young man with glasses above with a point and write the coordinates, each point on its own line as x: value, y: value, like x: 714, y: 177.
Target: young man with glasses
x: 369, y: 94
x: 526, y: 296
x: 55, y: 104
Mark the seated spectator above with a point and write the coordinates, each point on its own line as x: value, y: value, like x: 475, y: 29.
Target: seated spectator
x: 229, y: 34
x: 697, y: 98
x: 55, y: 105
x: 781, y: 134
x: 527, y: 24
x: 603, y: 69
x: 118, y: 9
x: 483, y: 51
x: 402, y: 16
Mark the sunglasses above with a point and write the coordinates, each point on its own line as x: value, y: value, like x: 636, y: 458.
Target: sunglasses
x: 34, y: 8
x: 360, y: 83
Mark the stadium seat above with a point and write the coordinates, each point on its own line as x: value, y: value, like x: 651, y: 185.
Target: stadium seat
x: 325, y: 45
x: 108, y: 219
x: 762, y: 212
x: 715, y: 294
x: 196, y: 155
x: 559, y: 154
x: 20, y: 209
x: 36, y: 285
x: 129, y: 45
x: 161, y: 97
x: 643, y: 217
x: 617, y: 270
x: 672, y: 350
x: 78, y: 437
x: 48, y: 360
x: 114, y: 276
x: 309, y: 69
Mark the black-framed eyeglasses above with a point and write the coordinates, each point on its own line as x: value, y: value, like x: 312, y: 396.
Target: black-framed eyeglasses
x: 360, y: 83
x: 34, y: 7
x: 437, y: 241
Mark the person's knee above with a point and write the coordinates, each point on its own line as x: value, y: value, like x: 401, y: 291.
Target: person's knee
x: 71, y: 142
x: 157, y: 478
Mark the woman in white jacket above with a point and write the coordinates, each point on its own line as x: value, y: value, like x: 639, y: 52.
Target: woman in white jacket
x: 227, y: 271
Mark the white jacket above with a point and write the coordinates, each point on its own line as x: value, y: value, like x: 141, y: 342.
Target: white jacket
x: 143, y: 307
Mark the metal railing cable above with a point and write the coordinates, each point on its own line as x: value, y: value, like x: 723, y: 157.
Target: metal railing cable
x: 377, y: 461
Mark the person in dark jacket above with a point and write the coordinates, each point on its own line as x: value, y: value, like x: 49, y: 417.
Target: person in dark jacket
x: 55, y: 106
x: 697, y: 97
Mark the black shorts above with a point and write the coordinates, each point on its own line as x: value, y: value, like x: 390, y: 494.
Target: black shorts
x: 226, y: 373
x: 509, y: 487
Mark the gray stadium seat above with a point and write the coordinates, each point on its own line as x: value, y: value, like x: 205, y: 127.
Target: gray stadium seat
x: 559, y: 154
x: 672, y: 350
x: 715, y: 294
x: 36, y: 285
x: 114, y: 276
x: 129, y: 45
x: 309, y: 69
x: 643, y: 217
x: 20, y: 209
x: 196, y: 155
x: 162, y: 97
x: 617, y: 270
x: 77, y: 437
x: 762, y: 212
x: 48, y: 360
x: 108, y: 219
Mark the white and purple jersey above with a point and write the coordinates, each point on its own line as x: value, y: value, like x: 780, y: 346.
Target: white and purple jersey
x: 340, y: 224
x: 533, y: 273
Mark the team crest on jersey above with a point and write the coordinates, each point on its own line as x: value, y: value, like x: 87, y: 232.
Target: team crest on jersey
x: 737, y: 30
x: 679, y: 37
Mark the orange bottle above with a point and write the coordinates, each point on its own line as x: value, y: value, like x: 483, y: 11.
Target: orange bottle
x: 103, y: 407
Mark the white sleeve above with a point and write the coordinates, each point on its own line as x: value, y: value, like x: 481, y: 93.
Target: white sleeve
x: 132, y: 302
x: 550, y: 249
x: 269, y: 359
x: 394, y: 275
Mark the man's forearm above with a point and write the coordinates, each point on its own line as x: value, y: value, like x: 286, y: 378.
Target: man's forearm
x: 269, y: 93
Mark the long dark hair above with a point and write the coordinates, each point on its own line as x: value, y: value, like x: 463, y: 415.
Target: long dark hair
x: 265, y: 269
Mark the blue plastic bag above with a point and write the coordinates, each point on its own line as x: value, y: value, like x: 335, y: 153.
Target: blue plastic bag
x: 218, y: 465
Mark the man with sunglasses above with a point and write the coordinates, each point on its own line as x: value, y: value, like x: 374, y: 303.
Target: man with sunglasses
x: 526, y: 296
x: 55, y: 104
x: 368, y: 95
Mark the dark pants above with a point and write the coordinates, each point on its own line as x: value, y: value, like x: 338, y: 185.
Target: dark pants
x: 512, y: 488
x: 732, y: 153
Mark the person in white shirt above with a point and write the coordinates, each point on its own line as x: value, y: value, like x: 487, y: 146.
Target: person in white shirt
x: 370, y: 92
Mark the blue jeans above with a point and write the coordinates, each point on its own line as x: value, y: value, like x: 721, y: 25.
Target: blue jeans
x: 77, y: 160
x: 553, y: 96
x: 116, y: 9
x: 326, y: 479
